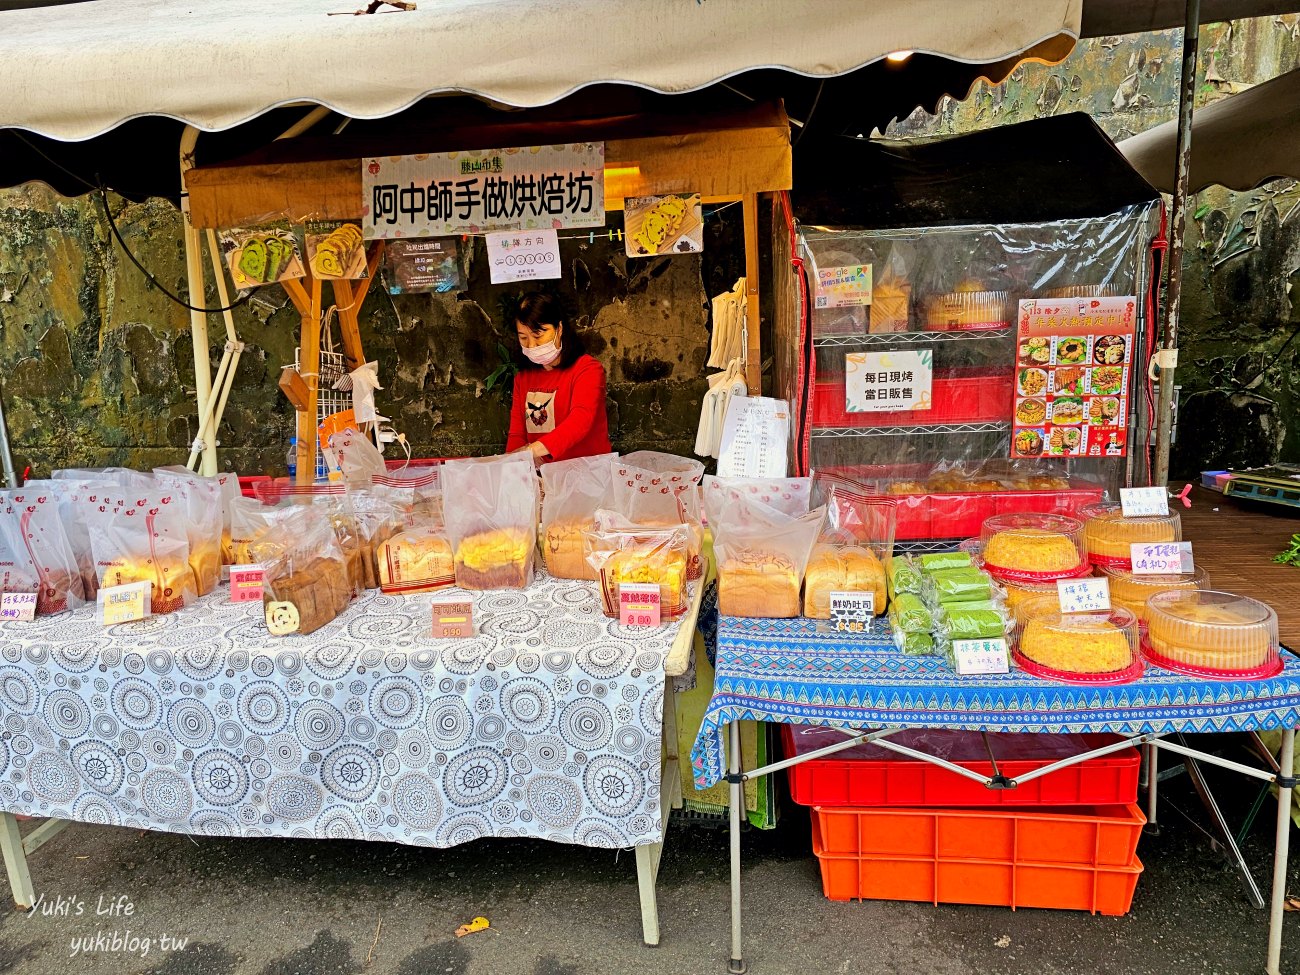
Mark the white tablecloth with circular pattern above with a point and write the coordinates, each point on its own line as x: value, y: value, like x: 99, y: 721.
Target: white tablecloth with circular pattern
x: 546, y: 724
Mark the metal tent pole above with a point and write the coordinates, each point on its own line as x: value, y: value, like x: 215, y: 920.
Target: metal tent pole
x: 198, y: 319
x: 1166, y: 358
x: 6, y: 457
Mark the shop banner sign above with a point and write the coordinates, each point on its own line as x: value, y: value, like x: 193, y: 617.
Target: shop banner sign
x: 444, y: 194
x: 878, y: 382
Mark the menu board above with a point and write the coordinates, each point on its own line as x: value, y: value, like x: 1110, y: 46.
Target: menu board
x: 1074, y: 359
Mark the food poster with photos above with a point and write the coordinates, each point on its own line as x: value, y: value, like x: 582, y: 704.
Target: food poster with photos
x: 1074, y: 358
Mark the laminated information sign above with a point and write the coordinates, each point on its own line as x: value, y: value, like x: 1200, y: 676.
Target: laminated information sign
x: 882, y: 382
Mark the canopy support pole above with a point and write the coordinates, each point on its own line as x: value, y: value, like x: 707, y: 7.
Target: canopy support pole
x: 1167, y: 354
x: 198, y: 319
x: 754, y: 345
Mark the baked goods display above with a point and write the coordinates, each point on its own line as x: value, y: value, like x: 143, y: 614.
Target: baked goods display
x: 497, y: 559
x: 416, y: 560
x: 758, y: 584
x: 1033, y: 547
x: 304, y: 600
x: 959, y: 479
x: 1108, y: 535
x: 1212, y: 634
x: 35, y: 554
x: 572, y: 492
x: 1021, y: 594
x: 649, y: 559
x: 1100, y: 646
x: 563, y: 550
x: 969, y: 305
x: 841, y: 568
x: 891, y: 296
x: 1132, y: 591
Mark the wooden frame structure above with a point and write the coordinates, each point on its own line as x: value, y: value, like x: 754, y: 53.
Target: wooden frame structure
x: 725, y: 157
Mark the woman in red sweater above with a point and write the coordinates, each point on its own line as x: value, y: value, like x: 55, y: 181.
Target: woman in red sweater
x: 558, y: 409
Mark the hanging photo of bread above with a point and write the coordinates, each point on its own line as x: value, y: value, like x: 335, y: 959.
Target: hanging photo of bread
x: 337, y: 252
x: 655, y: 225
x: 258, y: 257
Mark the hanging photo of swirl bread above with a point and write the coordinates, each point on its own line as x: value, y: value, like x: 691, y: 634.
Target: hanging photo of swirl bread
x: 336, y: 254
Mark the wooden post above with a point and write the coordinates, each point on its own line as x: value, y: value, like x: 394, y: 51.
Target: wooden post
x: 754, y: 346
x: 348, y: 299
x: 309, y: 355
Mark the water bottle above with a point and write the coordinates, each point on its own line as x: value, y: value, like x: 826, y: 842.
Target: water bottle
x: 293, y: 458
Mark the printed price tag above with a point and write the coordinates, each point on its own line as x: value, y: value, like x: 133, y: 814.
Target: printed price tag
x: 245, y: 583
x: 20, y: 606
x: 122, y: 604
x: 452, y: 618
x: 638, y: 604
x: 981, y: 656
x: 1161, y: 558
x: 1083, y: 595
x: 851, y: 612
x: 1136, y: 502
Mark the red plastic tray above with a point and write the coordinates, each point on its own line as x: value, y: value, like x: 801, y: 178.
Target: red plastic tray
x: 1074, y: 859
x: 959, y: 396
x: 868, y: 775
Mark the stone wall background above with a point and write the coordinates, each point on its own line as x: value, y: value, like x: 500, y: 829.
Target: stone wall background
x: 1241, y: 283
x: 97, y: 366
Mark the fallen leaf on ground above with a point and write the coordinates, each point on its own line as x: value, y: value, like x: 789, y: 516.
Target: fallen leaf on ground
x: 478, y: 924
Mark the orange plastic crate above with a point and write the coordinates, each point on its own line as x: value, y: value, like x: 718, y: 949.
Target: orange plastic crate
x: 1081, y: 859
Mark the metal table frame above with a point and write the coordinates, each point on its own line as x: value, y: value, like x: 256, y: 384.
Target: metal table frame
x: 1153, y: 742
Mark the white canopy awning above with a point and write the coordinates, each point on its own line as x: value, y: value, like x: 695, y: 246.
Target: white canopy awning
x: 1238, y: 142
x: 72, y: 72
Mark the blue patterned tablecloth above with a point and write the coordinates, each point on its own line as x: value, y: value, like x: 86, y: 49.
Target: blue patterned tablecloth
x: 792, y: 671
x: 547, y: 723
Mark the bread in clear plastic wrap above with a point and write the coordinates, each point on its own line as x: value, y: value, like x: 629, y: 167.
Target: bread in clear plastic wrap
x: 333, y: 500
x: 572, y: 492
x: 417, y: 491
x: 903, y: 575
x: 639, y: 555
x: 67, y: 494
x: 141, y: 536
x: 230, y: 490
x: 762, y: 555
x: 657, y: 489
x: 377, y: 519
x: 416, y: 560
x: 305, y: 581
x: 490, y: 504
x: 35, y: 556
x: 202, y: 498
x: 841, y: 568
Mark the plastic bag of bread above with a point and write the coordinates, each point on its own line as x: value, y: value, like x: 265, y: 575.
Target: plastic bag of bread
x: 490, y: 508
x: 855, y: 517
x: 661, y: 490
x: 333, y: 500
x: 841, y: 568
x: 35, y: 556
x: 416, y: 560
x: 648, y: 556
x: 789, y: 495
x: 140, y: 536
x: 230, y: 490
x: 377, y: 519
x: 762, y: 555
x: 305, y: 581
x: 417, y: 491
x: 201, y: 497
x: 249, y: 519
x: 572, y: 491
x: 356, y: 457
x: 67, y: 494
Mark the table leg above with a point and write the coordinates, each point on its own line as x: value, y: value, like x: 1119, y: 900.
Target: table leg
x: 737, y: 965
x: 1153, y: 787
x: 1280, y: 852
x: 11, y: 846
x: 645, y: 881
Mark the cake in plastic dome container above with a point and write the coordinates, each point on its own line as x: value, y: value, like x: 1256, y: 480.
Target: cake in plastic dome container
x: 1212, y: 634
x: 1022, y: 595
x: 1132, y: 591
x: 1079, y: 648
x: 1108, y: 535
x: 1030, y: 547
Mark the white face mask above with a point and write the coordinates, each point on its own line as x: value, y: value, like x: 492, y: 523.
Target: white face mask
x: 543, y: 355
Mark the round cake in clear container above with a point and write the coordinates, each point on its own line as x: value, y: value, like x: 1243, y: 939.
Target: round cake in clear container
x: 1132, y: 591
x: 1022, y: 595
x: 1083, y: 648
x: 1212, y: 634
x: 1031, y: 547
x: 1108, y: 535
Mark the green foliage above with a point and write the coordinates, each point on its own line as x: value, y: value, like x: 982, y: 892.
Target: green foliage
x: 502, y: 379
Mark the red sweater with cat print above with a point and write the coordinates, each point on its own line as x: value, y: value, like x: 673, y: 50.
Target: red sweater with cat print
x: 564, y: 408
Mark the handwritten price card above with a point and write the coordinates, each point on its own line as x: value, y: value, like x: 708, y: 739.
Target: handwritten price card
x: 245, y: 583
x: 1161, y: 558
x: 452, y: 618
x: 638, y: 604
x: 20, y: 606
x: 123, y: 604
x: 1137, y: 502
x: 1083, y: 595
x: 981, y: 656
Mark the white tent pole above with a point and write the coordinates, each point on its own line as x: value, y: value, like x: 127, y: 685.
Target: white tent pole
x: 304, y: 123
x: 198, y: 319
x: 1166, y: 359
x: 234, y: 347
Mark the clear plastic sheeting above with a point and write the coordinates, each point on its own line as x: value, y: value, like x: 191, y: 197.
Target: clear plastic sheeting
x: 943, y: 301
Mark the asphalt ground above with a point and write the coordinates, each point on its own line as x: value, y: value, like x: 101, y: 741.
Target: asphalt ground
x: 297, y: 907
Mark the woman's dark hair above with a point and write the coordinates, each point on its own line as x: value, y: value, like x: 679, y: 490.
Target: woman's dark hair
x: 538, y: 308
